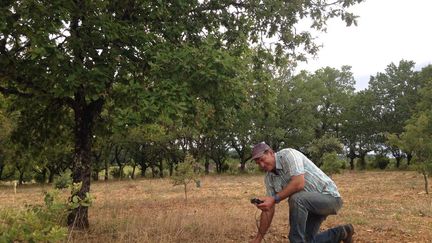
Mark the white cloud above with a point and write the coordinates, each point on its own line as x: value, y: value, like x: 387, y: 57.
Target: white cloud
x: 388, y: 31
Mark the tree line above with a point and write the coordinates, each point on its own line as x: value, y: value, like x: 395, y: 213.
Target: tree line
x: 88, y: 84
x: 313, y: 112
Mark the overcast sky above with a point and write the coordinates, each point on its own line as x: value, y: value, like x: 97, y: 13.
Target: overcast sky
x: 387, y: 31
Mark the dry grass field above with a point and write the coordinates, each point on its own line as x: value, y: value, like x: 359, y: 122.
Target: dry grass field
x: 382, y: 206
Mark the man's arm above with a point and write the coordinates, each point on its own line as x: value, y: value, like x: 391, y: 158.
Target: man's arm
x: 295, y: 184
x: 265, y: 221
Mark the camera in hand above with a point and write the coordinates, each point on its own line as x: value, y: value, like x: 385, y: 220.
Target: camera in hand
x: 256, y: 201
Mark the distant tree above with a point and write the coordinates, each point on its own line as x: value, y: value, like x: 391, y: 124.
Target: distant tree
x: 334, y: 87
x: 418, y: 131
x: 240, y: 125
x: 148, y: 145
x: 264, y: 100
x: 359, y: 130
x: 322, y: 146
x: 396, y: 93
x: 42, y: 138
x: 416, y: 138
x: 295, y: 105
x: 240, y: 133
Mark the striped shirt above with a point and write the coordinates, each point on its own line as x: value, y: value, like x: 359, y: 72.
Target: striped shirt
x: 290, y: 162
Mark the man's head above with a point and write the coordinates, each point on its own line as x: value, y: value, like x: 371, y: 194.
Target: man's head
x: 264, y: 156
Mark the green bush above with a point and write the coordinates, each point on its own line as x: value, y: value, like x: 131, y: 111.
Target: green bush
x: 64, y: 180
x: 234, y: 166
x: 116, y: 173
x: 331, y: 164
x: 381, y: 161
x: 184, y: 174
x: 225, y: 166
x: 39, y: 178
x: 35, y: 223
x: 252, y: 168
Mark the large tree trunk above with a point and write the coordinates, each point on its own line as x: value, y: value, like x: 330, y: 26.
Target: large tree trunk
x: 398, y: 160
x: 53, y: 171
x: 51, y: 176
x: 218, y: 167
x: 143, y: 167
x: 398, y: 155
x: 243, y: 159
x: 352, y: 155
x: 171, y: 168
x: 1, y: 170
x: 352, y: 163
x: 95, y: 175
x: 425, y: 177
x: 242, y: 165
x: 81, y: 169
x: 160, y: 165
x: 44, y: 175
x: 133, y: 171
x: 119, y: 161
x: 242, y: 155
x: 154, y: 167
x: 362, y: 161
x: 96, y: 168
x: 409, y: 157
x: 2, y: 165
x: 207, y: 166
x: 21, y: 177
x: 106, y: 176
x: 174, y: 160
x: 20, y: 174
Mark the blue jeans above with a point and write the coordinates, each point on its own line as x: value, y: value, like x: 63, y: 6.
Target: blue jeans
x: 307, y: 210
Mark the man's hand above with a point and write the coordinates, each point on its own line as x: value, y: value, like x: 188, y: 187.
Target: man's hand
x: 268, y: 203
x: 257, y: 239
x: 267, y: 212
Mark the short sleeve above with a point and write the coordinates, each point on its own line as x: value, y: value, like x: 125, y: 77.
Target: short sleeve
x: 270, y: 191
x: 295, y: 162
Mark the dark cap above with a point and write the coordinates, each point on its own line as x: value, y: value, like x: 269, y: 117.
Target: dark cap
x: 259, y: 149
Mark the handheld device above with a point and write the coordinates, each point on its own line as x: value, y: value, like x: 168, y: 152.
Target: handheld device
x: 256, y: 201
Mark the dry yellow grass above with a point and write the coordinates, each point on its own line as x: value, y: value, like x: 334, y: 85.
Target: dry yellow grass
x: 383, y: 206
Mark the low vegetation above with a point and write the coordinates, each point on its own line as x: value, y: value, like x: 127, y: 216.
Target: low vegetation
x: 35, y: 223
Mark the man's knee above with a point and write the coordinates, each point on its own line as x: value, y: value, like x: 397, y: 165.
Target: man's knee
x: 295, y: 199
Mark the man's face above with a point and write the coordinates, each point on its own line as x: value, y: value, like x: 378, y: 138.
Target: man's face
x: 266, y: 162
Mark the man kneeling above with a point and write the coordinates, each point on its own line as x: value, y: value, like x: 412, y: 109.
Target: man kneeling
x: 312, y: 196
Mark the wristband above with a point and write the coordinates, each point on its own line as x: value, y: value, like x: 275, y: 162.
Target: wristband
x: 277, y: 198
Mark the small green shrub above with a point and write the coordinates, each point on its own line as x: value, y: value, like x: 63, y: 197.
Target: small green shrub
x: 116, y: 173
x: 184, y: 174
x: 345, y: 165
x: 225, y: 166
x: 39, y: 177
x: 35, y: 223
x: 331, y: 164
x: 233, y: 167
x: 64, y: 180
x: 381, y: 161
